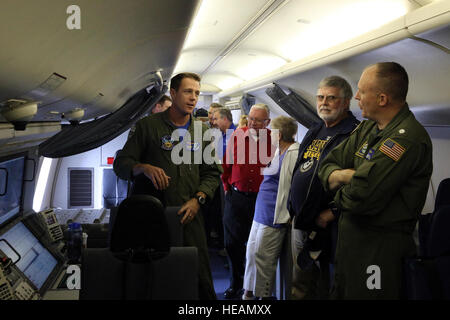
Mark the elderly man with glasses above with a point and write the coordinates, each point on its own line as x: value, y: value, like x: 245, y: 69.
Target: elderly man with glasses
x: 248, y: 151
x: 313, y: 212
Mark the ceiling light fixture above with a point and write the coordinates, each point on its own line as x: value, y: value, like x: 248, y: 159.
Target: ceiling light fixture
x: 19, y: 112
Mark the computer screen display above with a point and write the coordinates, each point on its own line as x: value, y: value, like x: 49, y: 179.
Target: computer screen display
x: 36, y: 262
x: 11, y: 181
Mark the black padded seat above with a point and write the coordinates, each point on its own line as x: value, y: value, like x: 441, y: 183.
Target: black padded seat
x: 146, y: 259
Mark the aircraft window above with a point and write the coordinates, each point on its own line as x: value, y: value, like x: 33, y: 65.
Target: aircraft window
x: 36, y: 262
x: 11, y: 180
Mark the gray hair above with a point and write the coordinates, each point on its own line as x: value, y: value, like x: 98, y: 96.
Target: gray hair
x: 262, y: 106
x: 338, y: 82
x: 286, y: 126
x: 225, y: 113
x: 216, y: 105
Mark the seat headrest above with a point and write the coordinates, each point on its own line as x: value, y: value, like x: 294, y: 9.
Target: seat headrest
x: 140, y: 232
x: 143, y: 185
x: 443, y: 194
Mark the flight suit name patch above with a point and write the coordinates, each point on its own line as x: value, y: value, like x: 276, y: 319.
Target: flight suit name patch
x: 362, y: 150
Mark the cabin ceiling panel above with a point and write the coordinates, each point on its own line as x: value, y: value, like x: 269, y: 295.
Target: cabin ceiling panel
x: 118, y: 46
x: 196, y: 60
x: 302, y: 28
x: 208, y: 88
x: 294, y: 30
x: 220, y: 80
x: 248, y: 64
x: 219, y: 21
x: 215, y: 25
x: 116, y: 79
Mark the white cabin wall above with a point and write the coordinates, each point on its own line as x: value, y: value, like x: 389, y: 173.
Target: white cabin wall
x: 96, y: 159
x: 90, y: 159
x: 301, y: 132
x: 204, y: 101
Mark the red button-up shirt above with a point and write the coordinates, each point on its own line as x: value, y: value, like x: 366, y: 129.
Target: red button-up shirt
x: 245, y: 160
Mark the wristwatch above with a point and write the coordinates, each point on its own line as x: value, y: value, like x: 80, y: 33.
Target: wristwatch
x: 200, y: 198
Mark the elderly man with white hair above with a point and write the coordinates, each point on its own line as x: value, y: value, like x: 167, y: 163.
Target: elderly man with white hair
x: 248, y: 151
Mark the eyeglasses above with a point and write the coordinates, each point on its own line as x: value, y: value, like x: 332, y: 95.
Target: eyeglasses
x: 321, y: 98
x: 256, y: 120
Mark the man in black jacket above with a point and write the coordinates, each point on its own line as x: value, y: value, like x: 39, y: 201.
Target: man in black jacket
x: 314, y: 226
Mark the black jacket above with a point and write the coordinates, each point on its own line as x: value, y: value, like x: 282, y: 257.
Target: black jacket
x: 317, y: 198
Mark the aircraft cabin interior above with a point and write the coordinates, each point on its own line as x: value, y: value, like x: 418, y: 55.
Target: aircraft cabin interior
x: 76, y: 76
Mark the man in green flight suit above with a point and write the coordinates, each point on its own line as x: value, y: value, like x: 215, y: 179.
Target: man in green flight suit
x: 381, y: 175
x: 152, y: 153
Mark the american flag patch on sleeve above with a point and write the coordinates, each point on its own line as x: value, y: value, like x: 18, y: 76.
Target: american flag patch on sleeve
x: 392, y: 149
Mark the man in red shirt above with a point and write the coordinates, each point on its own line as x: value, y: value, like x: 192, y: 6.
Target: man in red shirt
x: 248, y: 152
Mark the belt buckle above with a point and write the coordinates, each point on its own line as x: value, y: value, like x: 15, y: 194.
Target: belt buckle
x: 247, y: 194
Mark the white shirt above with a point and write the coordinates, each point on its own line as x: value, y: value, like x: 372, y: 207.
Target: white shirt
x: 284, y: 184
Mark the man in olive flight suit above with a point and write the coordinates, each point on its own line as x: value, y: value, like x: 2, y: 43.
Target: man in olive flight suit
x: 153, y: 154
x: 381, y: 174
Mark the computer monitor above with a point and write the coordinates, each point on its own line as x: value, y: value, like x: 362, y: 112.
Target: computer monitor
x: 11, y: 187
x: 36, y: 262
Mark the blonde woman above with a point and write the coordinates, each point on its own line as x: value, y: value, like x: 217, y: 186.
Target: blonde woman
x: 243, y: 122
